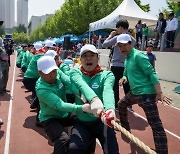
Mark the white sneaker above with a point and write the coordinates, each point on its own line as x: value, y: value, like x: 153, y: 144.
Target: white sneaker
x: 1, y: 122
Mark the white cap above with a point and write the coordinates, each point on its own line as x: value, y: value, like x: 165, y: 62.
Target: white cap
x: 123, y: 38
x: 49, y: 43
x: 38, y: 46
x: 51, y: 53
x: 88, y: 47
x: 46, y: 64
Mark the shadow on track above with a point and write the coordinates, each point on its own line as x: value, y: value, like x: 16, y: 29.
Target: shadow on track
x: 5, y: 97
x: 30, y: 124
x: 136, y: 122
x: 1, y: 133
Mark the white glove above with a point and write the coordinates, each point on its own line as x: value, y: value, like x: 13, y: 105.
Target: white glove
x: 96, y: 106
x: 86, y: 108
x: 108, y: 116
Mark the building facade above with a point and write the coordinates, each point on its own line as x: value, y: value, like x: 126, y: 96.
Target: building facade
x: 22, y: 12
x: 1, y: 10
x: 36, y: 21
x: 7, y: 13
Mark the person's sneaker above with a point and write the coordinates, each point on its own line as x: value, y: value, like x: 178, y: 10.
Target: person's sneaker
x: 130, y: 109
x: 34, y: 105
x: 6, y: 90
x: 1, y: 122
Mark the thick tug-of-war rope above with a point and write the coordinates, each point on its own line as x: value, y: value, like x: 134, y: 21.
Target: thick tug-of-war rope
x: 111, y: 122
x: 134, y: 139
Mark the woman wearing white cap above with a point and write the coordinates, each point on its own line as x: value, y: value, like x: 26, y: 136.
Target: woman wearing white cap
x: 94, y: 86
x: 55, y: 111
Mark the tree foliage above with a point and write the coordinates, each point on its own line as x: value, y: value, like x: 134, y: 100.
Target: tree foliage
x: 20, y: 28
x: 74, y: 17
x: 2, y: 30
x: 172, y: 7
x: 20, y: 38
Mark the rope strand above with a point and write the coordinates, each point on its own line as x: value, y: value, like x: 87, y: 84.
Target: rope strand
x: 134, y: 139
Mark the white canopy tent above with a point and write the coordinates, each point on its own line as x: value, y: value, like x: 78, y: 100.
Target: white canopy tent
x: 129, y: 10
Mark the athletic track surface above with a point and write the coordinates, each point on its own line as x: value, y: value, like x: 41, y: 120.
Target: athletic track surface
x: 19, y: 135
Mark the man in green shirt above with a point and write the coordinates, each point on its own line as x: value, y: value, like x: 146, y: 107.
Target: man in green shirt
x: 54, y: 110
x: 145, y: 91
x: 93, y: 85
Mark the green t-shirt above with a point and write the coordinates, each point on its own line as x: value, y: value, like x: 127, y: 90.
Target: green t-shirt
x: 145, y: 31
x: 140, y: 73
x: 32, y: 70
x: 100, y: 85
x: 52, y: 98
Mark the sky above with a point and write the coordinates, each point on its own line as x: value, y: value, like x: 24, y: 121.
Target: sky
x: 42, y: 7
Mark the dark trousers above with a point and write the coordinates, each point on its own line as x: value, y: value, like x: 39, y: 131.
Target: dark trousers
x: 29, y: 84
x: 158, y: 37
x: 148, y: 104
x: 9, y: 60
x: 146, y: 40
x: 83, y: 133
x: 170, y: 39
x: 4, y: 75
x: 56, y: 130
x: 138, y: 36
x: 118, y: 73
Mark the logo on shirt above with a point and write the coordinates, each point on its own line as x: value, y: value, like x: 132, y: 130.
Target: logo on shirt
x: 60, y: 85
x: 95, y: 85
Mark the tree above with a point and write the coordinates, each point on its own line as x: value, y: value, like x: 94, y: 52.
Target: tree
x: 20, y: 37
x: 75, y: 15
x: 20, y: 28
x: 172, y: 7
x: 2, y: 30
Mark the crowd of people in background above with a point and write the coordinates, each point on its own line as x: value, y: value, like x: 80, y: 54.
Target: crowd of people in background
x: 168, y: 28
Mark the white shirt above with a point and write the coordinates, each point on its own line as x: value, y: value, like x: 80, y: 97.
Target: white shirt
x: 172, y: 25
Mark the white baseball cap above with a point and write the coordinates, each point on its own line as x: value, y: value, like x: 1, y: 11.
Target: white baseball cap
x: 50, y: 44
x: 46, y: 64
x: 51, y: 53
x: 123, y: 38
x: 38, y: 46
x: 88, y: 47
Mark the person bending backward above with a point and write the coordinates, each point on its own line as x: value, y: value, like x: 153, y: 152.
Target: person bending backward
x: 54, y: 109
x: 93, y: 86
x: 145, y: 91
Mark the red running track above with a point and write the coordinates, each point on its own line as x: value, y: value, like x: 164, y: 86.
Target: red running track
x: 19, y: 135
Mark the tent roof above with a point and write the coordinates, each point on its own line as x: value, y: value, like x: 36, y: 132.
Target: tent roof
x: 129, y: 10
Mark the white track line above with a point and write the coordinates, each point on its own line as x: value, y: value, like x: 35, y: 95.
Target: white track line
x: 175, y: 107
x: 6, y: 148
x: 178, y: 137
